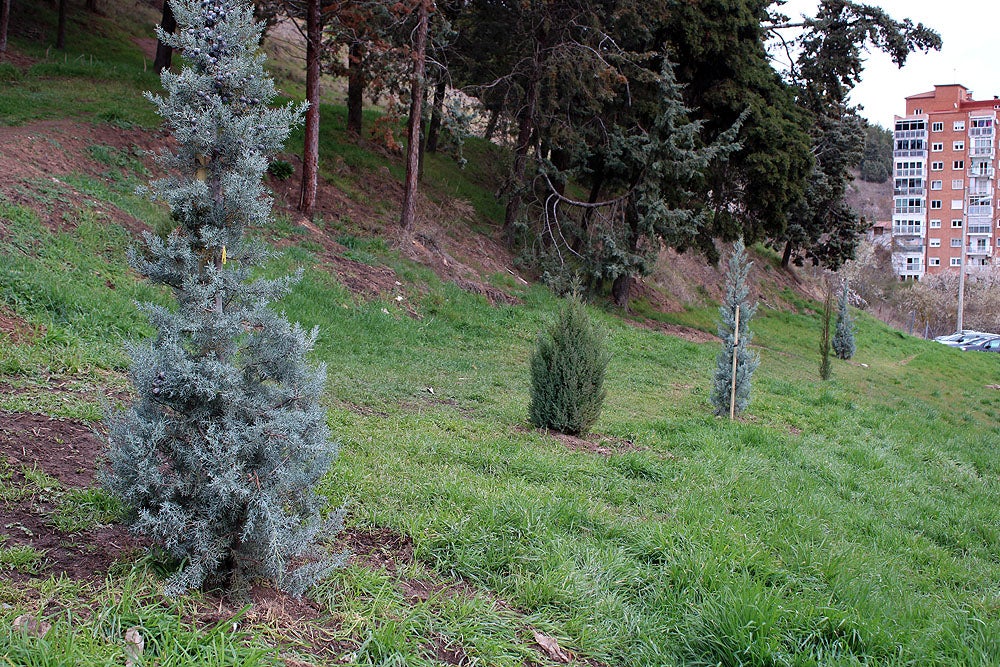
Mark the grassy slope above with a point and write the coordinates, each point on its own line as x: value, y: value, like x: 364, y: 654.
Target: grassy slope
x: 847, y: 522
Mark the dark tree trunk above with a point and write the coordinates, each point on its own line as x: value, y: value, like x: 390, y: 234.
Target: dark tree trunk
x: 435, y: 128
x: 4, y: 21
x: 61, y: 28
x: 355, y: 87
x: 786, y: 256
x: 491, y: 125
x: 164, y: 52
x: 621, y: 289
x: 310, y: 151
x: 423, y: 142
x: 414, y: 125
x: 91, y: 5
x: 525, y: 131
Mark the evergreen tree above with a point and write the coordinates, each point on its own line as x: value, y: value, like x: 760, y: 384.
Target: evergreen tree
x: 746, y: 359
x: 567, y: 372
x: 825, y: 369
x: 218, y: 458
x: 843, y: 337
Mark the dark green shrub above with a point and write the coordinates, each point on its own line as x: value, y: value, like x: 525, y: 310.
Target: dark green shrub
x: 281, y: 169
x: 567, y: 372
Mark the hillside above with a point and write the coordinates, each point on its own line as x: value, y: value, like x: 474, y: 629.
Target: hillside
x: 847, y: 522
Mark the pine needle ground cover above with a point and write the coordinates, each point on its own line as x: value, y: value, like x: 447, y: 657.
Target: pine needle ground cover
x: 852, y: 520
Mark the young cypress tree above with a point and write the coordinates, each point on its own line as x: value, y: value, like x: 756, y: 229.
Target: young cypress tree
x: 843, y: 337
x: 218, y: 458
x: 746, y: 359
x: 567, y: 372
x: 825, y: 368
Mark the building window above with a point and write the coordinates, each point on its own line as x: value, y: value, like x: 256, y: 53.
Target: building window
x: 937, y: 127
x: 958, y: 164
x: 936, y: 224
x: 957, y: 204
x: 958, y: 146
x: 935, y: 243
x: 935, y: 185
x: 956, y: 222
x: 956, y: 243
x: 937, y: 166
x: 956, y: 261
x: 935, y: 203
x: 959, y: 126
x: 958, y: 184
x: 937, y: 147
x: 934, y: 261
x: 998, y: 242
x: 917, y: 112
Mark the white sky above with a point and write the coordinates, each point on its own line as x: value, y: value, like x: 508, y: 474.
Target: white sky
x: 968, y: 29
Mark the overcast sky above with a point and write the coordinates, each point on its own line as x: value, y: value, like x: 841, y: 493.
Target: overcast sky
x: 968, y: 29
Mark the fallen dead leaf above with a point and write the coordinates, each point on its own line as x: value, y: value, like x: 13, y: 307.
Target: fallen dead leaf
x: 552, y: 648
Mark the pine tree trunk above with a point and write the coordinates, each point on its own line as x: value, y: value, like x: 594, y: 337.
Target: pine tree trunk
x: 414, y: 125
x: 61, y: 28
x: 355, y: 87
x: 786, y: 256
x: 4, y: 21
x: 435, y: 128
x: 310, y: 151
x: 491, y: 125
x: 164, y: 52
x: 524, y: 133
x: 91, y: 5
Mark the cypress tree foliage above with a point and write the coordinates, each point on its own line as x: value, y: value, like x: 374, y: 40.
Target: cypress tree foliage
x: 825, y: 369
x: 843, y: 336
x: 746, y: 359
x: 567, y: 372
x: 218, y: 458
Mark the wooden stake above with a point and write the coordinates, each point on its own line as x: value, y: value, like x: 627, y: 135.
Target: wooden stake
x: 736, y: 342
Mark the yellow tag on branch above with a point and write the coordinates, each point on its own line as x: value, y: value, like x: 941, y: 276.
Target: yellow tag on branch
x: 223, y: 255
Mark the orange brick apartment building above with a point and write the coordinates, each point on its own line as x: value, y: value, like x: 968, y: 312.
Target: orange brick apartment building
x: 944, y: 165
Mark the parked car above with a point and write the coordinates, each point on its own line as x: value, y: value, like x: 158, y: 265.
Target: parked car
x: 984, y: 345
x: 966, y: 337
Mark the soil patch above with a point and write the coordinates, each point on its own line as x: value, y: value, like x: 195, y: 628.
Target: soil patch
x: 605, y: 445
x: 378, y: 548
x: 675, y: 330
x: 33, y: 156
x: 65, y: 449
x: 69, y: 451
x: 16, y: 329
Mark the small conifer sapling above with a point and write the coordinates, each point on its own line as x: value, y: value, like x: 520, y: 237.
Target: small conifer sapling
x: 825, y: 368
x: 735, y: 347
x: 843, y: 336
x: 218, y: 458
x: 567, y: 372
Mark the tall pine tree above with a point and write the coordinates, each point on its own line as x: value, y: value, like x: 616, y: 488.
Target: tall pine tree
x: 218, y: 458
x: 746, y: 359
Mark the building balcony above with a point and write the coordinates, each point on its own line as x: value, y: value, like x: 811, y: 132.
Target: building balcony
x: 981, y: 131
x: 909, y: 268
x: 909, y: 173
x: 903, y: 229
x: 979, y: 250
x: 981, y: 211
x: 919, y: 192
x: 910, y: 210
x: 981, y: 151
x: 910, y: 153
x: 980, y: 228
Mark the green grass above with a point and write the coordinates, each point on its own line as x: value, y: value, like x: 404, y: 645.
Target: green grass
x: 21, y: 558
x: 849, y: 522
x: 844, y: 522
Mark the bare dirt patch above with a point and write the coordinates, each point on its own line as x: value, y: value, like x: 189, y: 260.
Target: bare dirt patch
x: 68, y: 451
x: 595, y: 443
x: 34, y: 156
x: 65, y: 449
x: 16, y: 329
x: 378, y: 548
x: 676, y: 330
